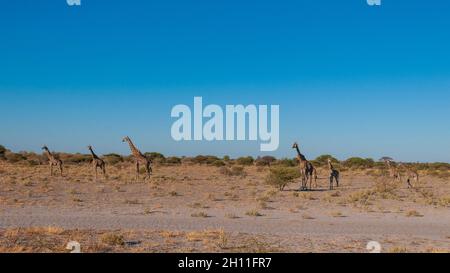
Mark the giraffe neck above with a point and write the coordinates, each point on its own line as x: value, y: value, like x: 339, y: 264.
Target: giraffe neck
x: 92, y: 153
x: 300, y: 156
x: 49, y: 155
x: 330, y: 165
x: 133, y: 148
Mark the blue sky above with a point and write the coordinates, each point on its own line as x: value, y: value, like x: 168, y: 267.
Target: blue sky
x: 350, y: 79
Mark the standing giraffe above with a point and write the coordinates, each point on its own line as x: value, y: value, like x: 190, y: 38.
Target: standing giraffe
x: 53, y: 161
x: 140, y: 159
x: 334, y: 174
x: 97, y: 162
x: 394, y: 173
x: 307, y: 170
x: 410, y: 175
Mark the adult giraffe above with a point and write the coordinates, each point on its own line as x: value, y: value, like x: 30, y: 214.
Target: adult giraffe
x: 97, y: 162
x: 307, y: 170
x: 139, y: 158
x: 53, y: 161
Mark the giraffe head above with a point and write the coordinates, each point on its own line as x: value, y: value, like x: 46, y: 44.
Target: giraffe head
x: 295, y: 145
x: 45, y: 148
x: 329, y: 160
x: 89, y: 147
x: 125, y: 139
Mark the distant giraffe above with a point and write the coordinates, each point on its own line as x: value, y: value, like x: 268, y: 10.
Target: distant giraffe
x: 410, y: 175
x: 53, y: 161
x: 307, y: 170
x: 394, y: 173
x: 334, y: 174
x: 97, y: 162
x: 140, y: 159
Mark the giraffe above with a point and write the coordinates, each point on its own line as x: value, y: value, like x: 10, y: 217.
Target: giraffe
x: 393, y: 170
x: 307, y: 170
x: 140, y: 158
x: 97, y: 162
x: 410, y: 175
x: 334, y: 174
x: 53, y: 161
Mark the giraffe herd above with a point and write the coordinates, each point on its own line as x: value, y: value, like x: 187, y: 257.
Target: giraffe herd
x: 308, y: 173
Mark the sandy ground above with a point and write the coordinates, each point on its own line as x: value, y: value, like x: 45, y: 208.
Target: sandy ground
x: 228, y: 213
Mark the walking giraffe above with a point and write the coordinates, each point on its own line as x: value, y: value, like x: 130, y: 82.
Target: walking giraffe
x: 334, y: 174
x: 97, y: 162
x: 410, y: 175
x: 139, y: 158
x: 53, y: 161
x: 307, y: 170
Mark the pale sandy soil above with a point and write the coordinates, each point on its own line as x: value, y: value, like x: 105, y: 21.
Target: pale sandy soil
x: 181, y: 202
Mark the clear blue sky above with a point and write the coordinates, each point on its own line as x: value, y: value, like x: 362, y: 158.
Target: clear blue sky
x: 351, y: 80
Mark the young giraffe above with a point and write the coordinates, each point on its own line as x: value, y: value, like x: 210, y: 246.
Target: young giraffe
x: 334, y: 174
x: 410, y: 175
x: 97, y: 162
x: 307, y: 170
x: 140, y: 158
x: 53, y: 161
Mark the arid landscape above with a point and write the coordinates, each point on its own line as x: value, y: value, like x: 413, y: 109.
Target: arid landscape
x: 207, y: 204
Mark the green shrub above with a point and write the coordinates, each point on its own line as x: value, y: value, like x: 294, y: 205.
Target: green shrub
x: 75, y: 158
x: 281, y: 176
x: 286, y: 162
x: 226, y: 158
x: 205, y: 159
x: 218, y: 163
x: 323, y: 160
x: 173, y: 160
x: 245, y: 161
x: 155, y: 157
x: 265, y: 161
x: 357, y: 162
x: 14, y: 157
x: 112, y: 159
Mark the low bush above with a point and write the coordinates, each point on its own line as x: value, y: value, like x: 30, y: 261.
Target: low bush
x: 281, y: 176
x: 113, y: 159
x: 245, y: 161
x: 173, y: 160
x: 265, y: 161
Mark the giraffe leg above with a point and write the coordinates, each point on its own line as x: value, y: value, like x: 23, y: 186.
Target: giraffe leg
x: 310, y: 181
x: 149, y: 169
x: 104, y: 170
x: 409, y: 183
x: 137, y: 171
x: 51, y: 169
x: 315, y: 178
x: 331, y: 182
x: 61, y: 169
x: 95, y: 169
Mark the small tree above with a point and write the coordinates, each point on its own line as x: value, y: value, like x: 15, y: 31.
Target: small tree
x: 281, y: 176
x: 323, y: 160
x: 155, y: 157
x: 246, y: 161
x: 357, y: 162
x: 265, y: 160
x: 113, y: 158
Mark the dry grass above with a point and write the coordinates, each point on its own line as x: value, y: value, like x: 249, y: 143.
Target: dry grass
x: 175, y: 190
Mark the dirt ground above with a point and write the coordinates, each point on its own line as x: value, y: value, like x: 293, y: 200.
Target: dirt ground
x: 194, y: 208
